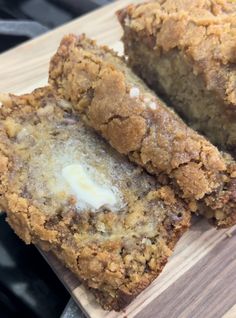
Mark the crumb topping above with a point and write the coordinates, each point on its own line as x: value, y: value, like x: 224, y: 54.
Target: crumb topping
x: 204, y: 30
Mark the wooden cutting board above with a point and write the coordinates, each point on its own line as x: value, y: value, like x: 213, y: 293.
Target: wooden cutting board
x: 200, y: 279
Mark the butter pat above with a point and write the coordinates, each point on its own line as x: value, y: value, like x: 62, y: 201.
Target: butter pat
x: 88, y: 193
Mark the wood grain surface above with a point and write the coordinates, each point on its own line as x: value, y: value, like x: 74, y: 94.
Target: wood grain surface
x: 199, y: 281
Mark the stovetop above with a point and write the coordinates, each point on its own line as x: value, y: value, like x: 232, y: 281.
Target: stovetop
x: 28, y: 287
x: 24, y: 19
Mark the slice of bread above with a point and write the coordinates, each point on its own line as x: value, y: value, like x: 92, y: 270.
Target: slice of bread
x: 66, y: 190
x: 185, y: 50
x: 117, y: 104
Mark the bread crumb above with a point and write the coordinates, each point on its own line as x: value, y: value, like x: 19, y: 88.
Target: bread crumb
x: 64, y: 104
x: 219, y: 215
x: 229, y: 233
x: 5, y: 99
x: 193, y: 206
x: 233, y: 174
x: 45, y: 111
x: 12, y: 128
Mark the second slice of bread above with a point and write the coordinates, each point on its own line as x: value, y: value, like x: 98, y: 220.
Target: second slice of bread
x: 117, y: 104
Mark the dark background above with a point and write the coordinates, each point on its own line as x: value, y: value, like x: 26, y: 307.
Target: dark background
x: 43, y: 15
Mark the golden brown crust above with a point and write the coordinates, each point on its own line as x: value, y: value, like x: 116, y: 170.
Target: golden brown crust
x: 204, y: 31
x: 138, y: 124
x: 114, y: 253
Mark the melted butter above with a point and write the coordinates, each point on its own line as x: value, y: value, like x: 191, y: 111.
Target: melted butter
x: 86, y: 190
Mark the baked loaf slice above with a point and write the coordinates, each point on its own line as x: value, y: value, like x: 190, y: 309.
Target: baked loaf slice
x: 185, y: 50
x: 66, y: 190
x: 117, y: 104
